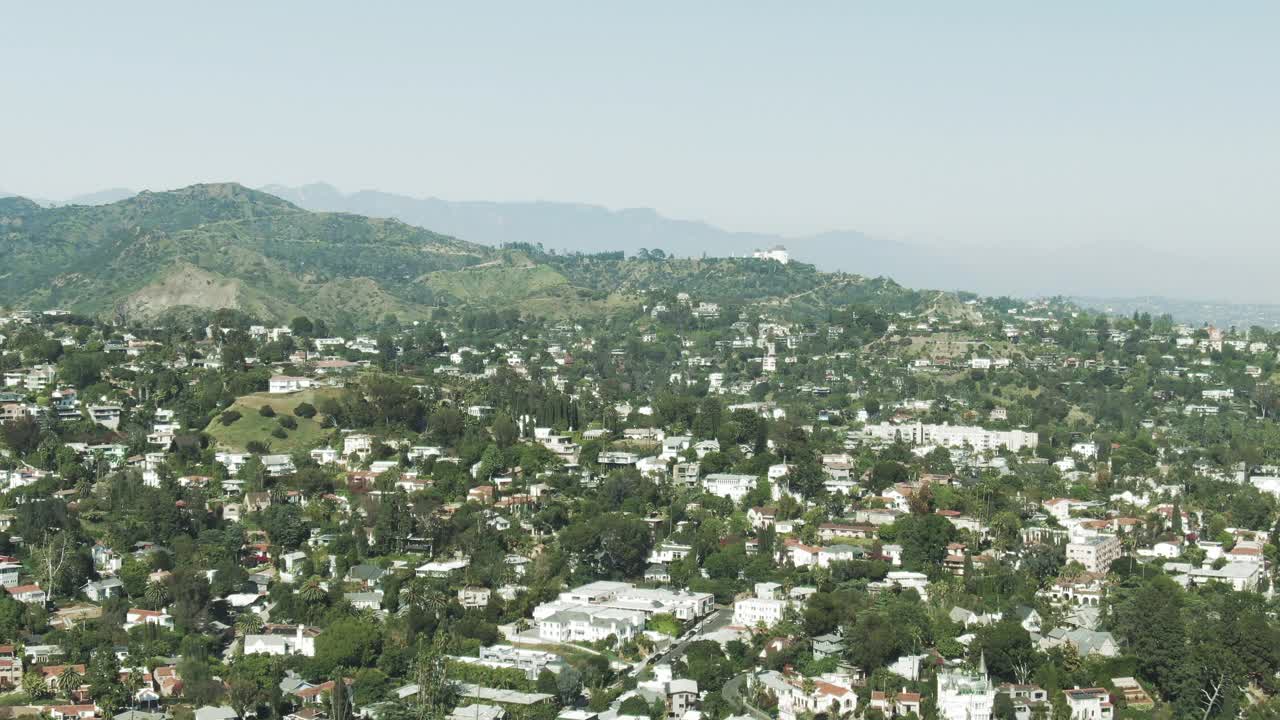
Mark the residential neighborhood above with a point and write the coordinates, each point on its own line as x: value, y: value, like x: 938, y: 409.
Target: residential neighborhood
x: 988, y: 510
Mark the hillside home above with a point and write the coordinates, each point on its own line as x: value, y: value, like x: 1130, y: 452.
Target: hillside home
x: 280, y: 384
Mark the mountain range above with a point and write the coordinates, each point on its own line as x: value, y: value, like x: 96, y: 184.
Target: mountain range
x: 1110, y: 270
x: 1023, y: 270
x: 575, y: 227
x: 223, y: 245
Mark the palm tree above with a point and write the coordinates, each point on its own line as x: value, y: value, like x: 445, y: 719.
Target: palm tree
x: 415, y: 592
x: 69, y: 682
x: 312, y: 591
x: 249, y: 623
x: 426, y: 596
x: 157, y: 594
x: 435, y: 601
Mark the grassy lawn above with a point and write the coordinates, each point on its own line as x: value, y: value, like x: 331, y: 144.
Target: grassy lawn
x: 252, y: 426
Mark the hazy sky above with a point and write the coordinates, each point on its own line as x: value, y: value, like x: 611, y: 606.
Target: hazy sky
x: 975, y: 122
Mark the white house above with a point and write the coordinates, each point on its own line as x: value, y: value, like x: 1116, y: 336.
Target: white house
x: 104, y: 589
x: 674, y: 445
x: 904, y: 580
x: 1089, y: 703
x: 777, y: 254
x: 282, y: 640
x: 138, y: 616
x: 767, y: 607
x: 280, y: 384
x: 756, y: 611
x: 729, y: 485
x: 965, y: 695
x: 278, y: 465
x: 825, y: 694
x: 29, y: 594
x: 358, y: 444
x: 473, y: 596
x: 668, y: 552
x: 590, y: 623
x: 1087, y: 449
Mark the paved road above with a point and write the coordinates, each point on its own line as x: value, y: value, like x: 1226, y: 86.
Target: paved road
x: 716, y: 620
x: 732, y: 694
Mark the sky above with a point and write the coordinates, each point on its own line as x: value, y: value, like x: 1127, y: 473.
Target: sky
x: 1026, y: 124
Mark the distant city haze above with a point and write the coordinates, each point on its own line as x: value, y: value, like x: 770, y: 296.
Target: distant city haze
x: 1025, y: 148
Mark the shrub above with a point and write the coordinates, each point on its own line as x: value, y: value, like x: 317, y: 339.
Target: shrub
x: 279, y: 433
x: 257, y: 447
x: 287, y: 422
x: 267, y: 411
x: 305, y: 410
x: 229, y: 417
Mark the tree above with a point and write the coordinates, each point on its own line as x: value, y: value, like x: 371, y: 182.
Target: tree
x: 924, y: 540
x: 243, y: 695
x: 921, y: 500
x: 133, y: 574
x: 1007, y: 649
x: 568, y: 685
x: 706, y: 663
x: 252, y: 681
x: 22, y: 435
x: 339, y: 702
x: 33, y: 684
x: 616, y: 544
x: 1151, y: 622
x: 104, y: 682
x: 1003, y: 708
x: 505, y: 432
x: 348, y: 642
x: 436, y: 692
x: 132, y: 684
x: 82, y: 369
x: 1043, y: 562
x: 938, y: 460
x: 887, y: 473
x: 301, y: 326
x: 50, y: 560
x: 446, y: 425
x: 312, y: 591
x: 69, y: 682
x: 157, y: 594
x: 249, y: 623
x: 189, y: 589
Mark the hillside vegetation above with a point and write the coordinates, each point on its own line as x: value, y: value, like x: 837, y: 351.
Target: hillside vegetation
x: 224, y: 246
x: 217, y: 246
x: 253, y: 426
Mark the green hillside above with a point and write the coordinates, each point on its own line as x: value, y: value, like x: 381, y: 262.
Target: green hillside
x: 254, y: 426
x: 216, y: 246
